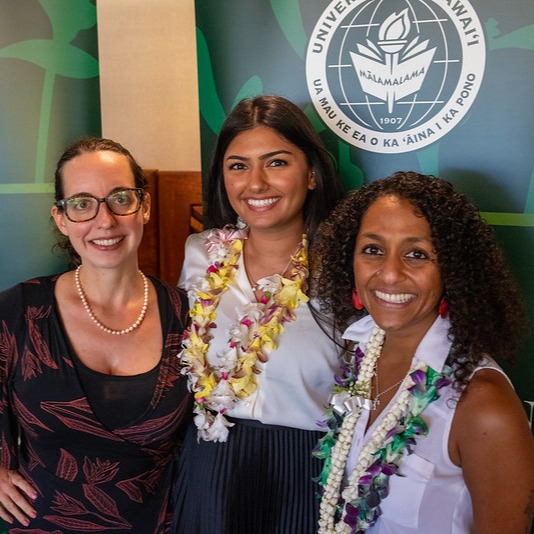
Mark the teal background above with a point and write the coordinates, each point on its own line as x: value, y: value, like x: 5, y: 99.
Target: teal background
x: 49, y: 96
x: 246, y: 48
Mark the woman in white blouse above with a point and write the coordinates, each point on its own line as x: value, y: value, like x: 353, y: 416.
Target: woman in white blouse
x: 258, y: 362
x: 427, y: 435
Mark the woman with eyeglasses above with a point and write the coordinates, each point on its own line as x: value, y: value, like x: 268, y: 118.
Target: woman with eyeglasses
x: 91, y: 398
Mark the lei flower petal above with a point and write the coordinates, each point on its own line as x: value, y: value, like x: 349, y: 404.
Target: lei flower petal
x: 218, y: 387
x: 357, y: 507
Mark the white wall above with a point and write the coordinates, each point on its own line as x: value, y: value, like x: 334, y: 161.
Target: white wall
x: 148, y: 80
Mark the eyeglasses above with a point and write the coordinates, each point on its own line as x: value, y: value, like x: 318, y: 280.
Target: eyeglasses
x: 84, y: 207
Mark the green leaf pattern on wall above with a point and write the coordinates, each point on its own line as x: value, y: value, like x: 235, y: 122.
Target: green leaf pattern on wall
x: 287, y: 13
x: 289, y: 17
x: 520, y: 38
x: 57, y: 57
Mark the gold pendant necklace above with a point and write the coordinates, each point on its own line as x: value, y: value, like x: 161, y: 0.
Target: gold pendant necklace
x: 256, y: 285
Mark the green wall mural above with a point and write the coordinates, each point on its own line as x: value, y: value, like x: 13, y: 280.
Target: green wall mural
x: 246, y: 48
x: 49, y: 96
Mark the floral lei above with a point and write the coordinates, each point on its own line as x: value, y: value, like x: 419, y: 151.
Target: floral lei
x: 357, y: 507
x: 217, y: 388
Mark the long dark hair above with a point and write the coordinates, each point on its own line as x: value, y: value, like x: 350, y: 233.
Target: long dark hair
x: 82, y: 146
x: 289, y: 121
x: 485, y: 306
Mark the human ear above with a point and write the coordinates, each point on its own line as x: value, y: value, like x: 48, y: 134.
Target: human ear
x: 59, y: 219
x: 312, y: 182
x: 146, y: 208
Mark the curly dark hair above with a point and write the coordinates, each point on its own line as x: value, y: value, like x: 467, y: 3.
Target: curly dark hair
x: 486, y: 310
x: 85, y: 145
x: 289, y: 121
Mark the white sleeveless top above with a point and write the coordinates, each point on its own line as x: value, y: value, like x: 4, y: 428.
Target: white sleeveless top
x: 431, y: 497
x: 295, y: 383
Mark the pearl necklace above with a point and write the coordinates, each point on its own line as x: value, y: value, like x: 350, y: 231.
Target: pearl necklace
x: 93, y: 317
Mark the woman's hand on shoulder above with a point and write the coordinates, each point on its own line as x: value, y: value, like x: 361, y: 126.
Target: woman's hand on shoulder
x: 492, y: 442
x: 16, y: 495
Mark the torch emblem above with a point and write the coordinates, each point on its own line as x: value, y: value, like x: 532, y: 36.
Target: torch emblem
x: 395, y: 66
x: 392, y: 76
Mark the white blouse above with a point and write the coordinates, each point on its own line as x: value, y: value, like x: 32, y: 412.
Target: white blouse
x: 295, y: 382
x: 431, y: 497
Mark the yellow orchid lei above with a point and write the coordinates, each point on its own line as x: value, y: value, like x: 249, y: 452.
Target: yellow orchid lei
x: 217, y: 388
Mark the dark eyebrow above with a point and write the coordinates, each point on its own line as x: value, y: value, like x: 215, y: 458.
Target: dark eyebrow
x: 86, y: 194
x: 262, y: 157
x: 82, y: 194
x: 376, y: 237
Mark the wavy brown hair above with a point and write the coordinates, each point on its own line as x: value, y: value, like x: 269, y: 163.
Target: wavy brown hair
x: 85, y: 145
x: 486, y: 310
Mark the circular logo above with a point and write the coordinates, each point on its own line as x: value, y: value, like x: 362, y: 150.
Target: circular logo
x: 395, y: 76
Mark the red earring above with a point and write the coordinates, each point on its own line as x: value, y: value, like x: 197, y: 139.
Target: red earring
x: 443, y: 310
x: 356, y: 300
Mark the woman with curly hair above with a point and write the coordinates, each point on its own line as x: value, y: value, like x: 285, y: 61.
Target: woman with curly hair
x: 425, y: 432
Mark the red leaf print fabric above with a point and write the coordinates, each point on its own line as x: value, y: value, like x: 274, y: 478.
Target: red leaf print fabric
x: 41, y: 348
x: 8, y: 350
x: 88, y: 477
x: 33, y: 531
x: 99, y: 472
x: 77, y: 415
x: 102, y: 502
x: 81, y: 525
x: 67, y: 467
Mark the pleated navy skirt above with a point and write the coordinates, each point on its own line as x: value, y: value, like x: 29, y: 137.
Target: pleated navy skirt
x: 260, y: 481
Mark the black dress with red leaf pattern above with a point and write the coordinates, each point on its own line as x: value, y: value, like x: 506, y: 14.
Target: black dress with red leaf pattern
x: 89, y: 477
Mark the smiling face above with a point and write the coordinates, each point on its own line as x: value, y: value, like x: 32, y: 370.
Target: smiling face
x: 107, y: 240
x: 267, y: 179
x: 395, y: 268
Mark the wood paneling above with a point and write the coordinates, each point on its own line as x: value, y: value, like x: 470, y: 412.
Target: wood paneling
x: 149, y: 250
x: 178, y: 192
x: 176, y: 212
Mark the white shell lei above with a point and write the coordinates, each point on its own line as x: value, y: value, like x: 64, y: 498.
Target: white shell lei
x: 340, y: 451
